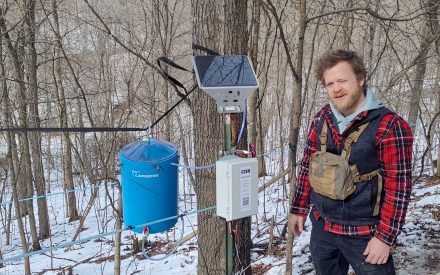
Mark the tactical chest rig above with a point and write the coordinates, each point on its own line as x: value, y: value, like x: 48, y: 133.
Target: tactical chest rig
x: 332, y: 176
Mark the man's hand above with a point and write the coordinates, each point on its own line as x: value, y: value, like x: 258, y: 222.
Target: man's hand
x: 377, y: 252
x: 296, y: 224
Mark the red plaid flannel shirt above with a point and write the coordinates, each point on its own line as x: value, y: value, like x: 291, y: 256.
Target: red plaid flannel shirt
x: 394, y: 150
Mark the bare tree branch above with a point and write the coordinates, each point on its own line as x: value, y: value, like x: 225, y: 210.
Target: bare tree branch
x: 269, y: 5
x: 416, y: 59
x: 428, y: 139
x: 118, y: 41
x: 369, y: 11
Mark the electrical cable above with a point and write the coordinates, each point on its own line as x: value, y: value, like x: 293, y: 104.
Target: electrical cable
x: 122, y: 129
x: 172, y: 107
x: 73, y: 129
x: 243, y: 121
x: 201, y: 48
x: 144, y: 239
x: 126, y: 129
x: 99, y: 129
x: 194, y: 167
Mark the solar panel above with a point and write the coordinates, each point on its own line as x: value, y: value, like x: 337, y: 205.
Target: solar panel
x: 229, y: 79
x: 225, y: 71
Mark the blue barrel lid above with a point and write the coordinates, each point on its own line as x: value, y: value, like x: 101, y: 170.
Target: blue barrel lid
x: 149, y: 150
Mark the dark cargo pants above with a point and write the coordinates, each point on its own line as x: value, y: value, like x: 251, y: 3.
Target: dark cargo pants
x: 332, y: 254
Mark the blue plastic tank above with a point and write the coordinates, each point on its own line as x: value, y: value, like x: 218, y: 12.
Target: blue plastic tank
x: 149, y: 183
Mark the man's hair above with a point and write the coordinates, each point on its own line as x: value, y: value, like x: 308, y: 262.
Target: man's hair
x: 332, y: 58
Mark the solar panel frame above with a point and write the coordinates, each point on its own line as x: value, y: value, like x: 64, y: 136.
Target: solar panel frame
x: 229, y: 79
x: 225, y: 71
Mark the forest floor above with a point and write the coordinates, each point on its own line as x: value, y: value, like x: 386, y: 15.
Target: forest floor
x: 418, y: 247
x: 417, y: 250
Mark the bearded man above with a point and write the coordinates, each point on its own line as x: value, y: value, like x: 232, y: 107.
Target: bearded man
x: 355, y: 175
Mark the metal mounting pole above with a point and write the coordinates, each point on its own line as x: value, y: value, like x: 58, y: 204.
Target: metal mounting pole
x: 227, y: 151
x: 227, y: 129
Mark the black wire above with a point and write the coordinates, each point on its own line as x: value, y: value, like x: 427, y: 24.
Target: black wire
x: 127, y: 129
x: 201, y: 48
x: 73, y: 129
x: 99, y: 129
x: 174, y: 106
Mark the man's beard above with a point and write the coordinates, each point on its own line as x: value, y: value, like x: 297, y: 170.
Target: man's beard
x: 349, y: 103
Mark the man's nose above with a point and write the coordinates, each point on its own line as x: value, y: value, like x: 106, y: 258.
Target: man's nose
x: 337, y: 87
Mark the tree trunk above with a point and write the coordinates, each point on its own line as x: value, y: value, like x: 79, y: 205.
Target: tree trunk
x: 416, y: 94
x: 163, y: 22
x: 281, y: 95
x: 347, y: 27
x: 207, y: 31
x: 435, y: 25
x: 12, y: 152
x: 67, y: 156
x: 430, y: 30
x: 235, y: 39
x: 370, y: 41
x: 24, y: 178
x: 35, y: 137
x: 10, y: 136
x: 84, y: 157
x: 295, y: 123
x: 254, y: 108
x: 18, y: 216
x: 437, y: 91
x: 118, y: 226
x: 185, y: 150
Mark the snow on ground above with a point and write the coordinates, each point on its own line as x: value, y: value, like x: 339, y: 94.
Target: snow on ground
x: 417, y: 250
x: 418, y: 247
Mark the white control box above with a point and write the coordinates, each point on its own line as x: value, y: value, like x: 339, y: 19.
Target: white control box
x: 236, y: 187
